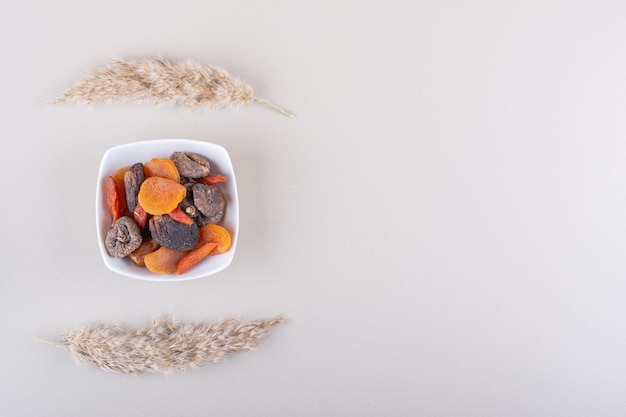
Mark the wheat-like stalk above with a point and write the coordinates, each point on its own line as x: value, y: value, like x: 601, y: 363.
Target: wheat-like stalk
x: 188, y: 84
x: 165, y: 347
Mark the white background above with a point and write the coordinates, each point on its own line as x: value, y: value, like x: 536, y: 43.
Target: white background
x: 443, y: 225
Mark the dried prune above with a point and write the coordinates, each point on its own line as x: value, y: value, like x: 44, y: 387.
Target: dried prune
x: 208, y: 199
x: 123, y: 237
x: 172, y: 234
x: 132, y: 182
x: 190, y: 164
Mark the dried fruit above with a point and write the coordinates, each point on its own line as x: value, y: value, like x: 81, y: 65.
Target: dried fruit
x: 164, y: 260
x: 133, y: 178
x: 180, y: 216
x: 175, y: 203
x: 123, y: 237
x: 118, y: 176
x: 191, y: 164
x: 113, y: 198
x: 216, y: 234
x: 148, y: 246
x: 194, y: 256
x: 208, y: 199
x: 161, y: 167
x: 211, y: 179
x: 160, y: 195
x: 187, y: 204
x: 140, y: 216
x: 172, y: 234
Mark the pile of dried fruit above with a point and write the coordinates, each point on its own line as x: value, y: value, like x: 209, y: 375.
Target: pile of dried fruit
x: 165, y: 213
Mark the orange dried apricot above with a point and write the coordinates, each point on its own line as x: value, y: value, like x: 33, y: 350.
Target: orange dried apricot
x: 180, y: 216
x: 164, y: 260
x: 159, y: 195
x: 161, y: 167
x: 118, y: 176
x: 194, y: 256
x: 113, y: 198
x: 217, y: 234
x: 211, y: 179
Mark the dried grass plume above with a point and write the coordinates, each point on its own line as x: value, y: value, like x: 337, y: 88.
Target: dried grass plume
x: 166, y: 347
x: 188, y: 84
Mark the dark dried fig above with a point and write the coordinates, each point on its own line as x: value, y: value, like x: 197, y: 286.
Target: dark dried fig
x: 132, y: 182
x: 208, y: 199
x: 123, y: 237
x: 172, y: 234
x: 190, y: 164
x: 202, y: 220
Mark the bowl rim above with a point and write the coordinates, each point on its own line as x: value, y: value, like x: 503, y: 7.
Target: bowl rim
x: 124, y: 266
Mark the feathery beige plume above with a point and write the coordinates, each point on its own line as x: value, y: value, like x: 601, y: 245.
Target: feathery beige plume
x: 191, y: 85
x: 165, y: 347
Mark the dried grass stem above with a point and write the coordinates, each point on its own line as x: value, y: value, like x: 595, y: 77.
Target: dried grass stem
x: 188, y: 84
x: 167, y: 346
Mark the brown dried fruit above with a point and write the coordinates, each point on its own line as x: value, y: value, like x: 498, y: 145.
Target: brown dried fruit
x: 123, y: 237
x: 190, y: 164
x: 172, y: 234
x: 133, y: 178
x: 208, y: 199
x: 138, y: 256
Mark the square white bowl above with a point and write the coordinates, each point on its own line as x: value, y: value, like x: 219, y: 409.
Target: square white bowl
x: 129, y: 154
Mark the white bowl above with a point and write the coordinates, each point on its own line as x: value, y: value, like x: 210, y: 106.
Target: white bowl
x: 126, y: 155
